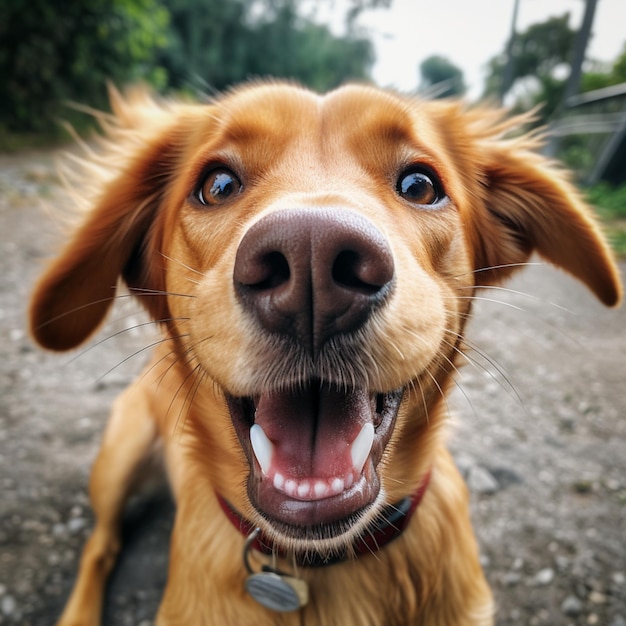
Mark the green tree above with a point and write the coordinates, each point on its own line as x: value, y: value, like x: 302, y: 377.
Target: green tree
x: 214, y: 44
x: 538, y: 53
x: 53, y: 52
x: 441, y: 77
x: 603, y: 75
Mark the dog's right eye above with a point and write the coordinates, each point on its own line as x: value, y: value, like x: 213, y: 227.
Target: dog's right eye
x: 421, y: 187
x: 218, y: 186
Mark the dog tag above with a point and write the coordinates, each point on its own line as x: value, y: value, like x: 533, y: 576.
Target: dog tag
x: 278, y: 592
x: 273, y: 589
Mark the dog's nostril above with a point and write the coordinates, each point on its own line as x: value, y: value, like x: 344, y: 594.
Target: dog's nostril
x: 276, y: 271
x: 347, y: 272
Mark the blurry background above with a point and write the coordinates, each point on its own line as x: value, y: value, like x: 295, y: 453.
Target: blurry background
x: 566, y: 55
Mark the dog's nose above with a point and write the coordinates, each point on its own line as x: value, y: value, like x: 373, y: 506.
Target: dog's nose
x: 312, y: 274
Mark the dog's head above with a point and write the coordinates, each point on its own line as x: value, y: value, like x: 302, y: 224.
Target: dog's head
x: 313, y: 259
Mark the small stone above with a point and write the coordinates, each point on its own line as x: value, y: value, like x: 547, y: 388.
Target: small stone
x: 544, y: 577
x: 511, y: 579
x: 597, y: 598
x: 8, y: 605
x: 59, y: 530
x: 480, y: 480
x: 76, y: 524
x: 618, y: 621
x: 572, y: 606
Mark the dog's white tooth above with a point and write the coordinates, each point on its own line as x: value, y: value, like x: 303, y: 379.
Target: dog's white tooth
x: 320, y: 489
x: 361, y: 447
x: 337, y: 485
x: 348, y: 480
x: 303, y: 489
x: 279, y: 481
x: 263, y: 448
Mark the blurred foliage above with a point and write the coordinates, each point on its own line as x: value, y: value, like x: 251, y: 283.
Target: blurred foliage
x: 441, y: 77
x: 610, y: 203
x: 609, y: 200
x: 605, y: 75
x: 214, y: 44
x: 55, y: 52
x: 541, y: 66
x: 538, y: 52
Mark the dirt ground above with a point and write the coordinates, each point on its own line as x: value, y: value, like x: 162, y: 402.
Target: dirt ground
x: 539, y: 432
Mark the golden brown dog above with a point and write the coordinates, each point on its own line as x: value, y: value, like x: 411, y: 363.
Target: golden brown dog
x: 311, y: 260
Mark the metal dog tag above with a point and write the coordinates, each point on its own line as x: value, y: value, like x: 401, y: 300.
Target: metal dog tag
x: 273, y: 589
x: 278, y: 592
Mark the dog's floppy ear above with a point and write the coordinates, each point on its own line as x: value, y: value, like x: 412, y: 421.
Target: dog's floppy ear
x: 119, y: 229
x: 531, y: 206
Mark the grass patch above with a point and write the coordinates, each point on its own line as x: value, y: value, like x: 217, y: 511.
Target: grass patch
x: 610, y: 203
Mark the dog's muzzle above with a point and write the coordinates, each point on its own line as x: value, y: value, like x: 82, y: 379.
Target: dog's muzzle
x: 309, y: 276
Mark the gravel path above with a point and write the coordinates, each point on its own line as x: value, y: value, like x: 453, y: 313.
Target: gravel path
x: 539, y: 432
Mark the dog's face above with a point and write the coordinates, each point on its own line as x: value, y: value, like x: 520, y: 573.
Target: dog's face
x: 331, y: 260
x: 314, y: 260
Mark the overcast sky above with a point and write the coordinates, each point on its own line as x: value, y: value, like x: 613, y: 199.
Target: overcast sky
x: 470, y: 32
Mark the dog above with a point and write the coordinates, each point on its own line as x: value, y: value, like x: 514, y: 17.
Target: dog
x: 312, y: 261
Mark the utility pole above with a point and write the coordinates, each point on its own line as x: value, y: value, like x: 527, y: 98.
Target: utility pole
x: 580, y: 47
x: 507, y: 78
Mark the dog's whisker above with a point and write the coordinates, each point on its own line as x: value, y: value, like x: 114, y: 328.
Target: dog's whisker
x: 138, y: 291
x: 158, y: 362
x: 500, y: 267
x: 82, y: 307
x: 521, y: 293
x: 412, y: 384
x: 523, y: 310
x: 138, y: 352
x: 187, y: 267
x: 125, y: 330
x: 190, y: 374
x: 456, y: 382
x: 485, y: 299
x: 509, y: 388
x: 135, y: 293
x: 198, y: 373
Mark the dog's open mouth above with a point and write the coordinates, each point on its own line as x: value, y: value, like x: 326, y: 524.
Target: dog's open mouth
x: 313, y: 452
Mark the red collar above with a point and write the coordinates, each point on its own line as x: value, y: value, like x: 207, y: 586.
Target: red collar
x: 393, y: 521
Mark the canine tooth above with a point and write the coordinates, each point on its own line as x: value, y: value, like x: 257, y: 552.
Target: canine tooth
x: 303, y: 489
x: 337, y: 485
x: 361, y: 447
x: 279, y: 481
x: 348, y: 480
x: 263, y: 448
x: 320, y: 489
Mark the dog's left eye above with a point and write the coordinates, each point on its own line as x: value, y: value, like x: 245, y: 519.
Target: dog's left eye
x: 218, y: 186
x: 420, y: 187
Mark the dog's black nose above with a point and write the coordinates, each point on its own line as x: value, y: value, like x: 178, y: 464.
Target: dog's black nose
x: 313, y: 273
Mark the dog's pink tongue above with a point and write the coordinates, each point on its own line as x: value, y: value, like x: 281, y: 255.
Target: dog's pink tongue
x: 319, y: 434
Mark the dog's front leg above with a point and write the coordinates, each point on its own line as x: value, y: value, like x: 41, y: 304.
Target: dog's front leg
x: 124, y: 456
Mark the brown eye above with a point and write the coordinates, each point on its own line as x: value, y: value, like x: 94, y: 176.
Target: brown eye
x: 420, y: 188
x: 218, y: 186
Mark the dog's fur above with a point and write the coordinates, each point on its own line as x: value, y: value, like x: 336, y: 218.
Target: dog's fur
x: 333, y: 164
